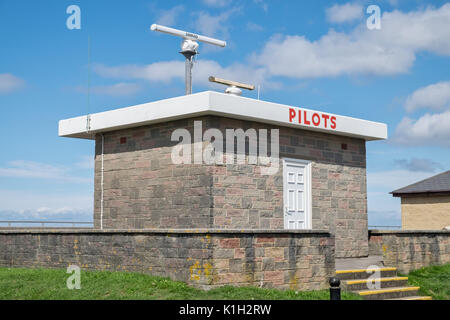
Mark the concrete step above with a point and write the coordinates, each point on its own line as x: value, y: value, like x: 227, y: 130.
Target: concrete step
x: 389, y: 293
x: 359, y: 262
x: 355, y: 274
x: 367, y: 284
x: 414, y: 298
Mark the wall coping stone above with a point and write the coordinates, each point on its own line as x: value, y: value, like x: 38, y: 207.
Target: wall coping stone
x: 160, y: 231
x: 406, y: 232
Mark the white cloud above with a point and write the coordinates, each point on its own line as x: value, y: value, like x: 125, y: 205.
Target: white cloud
x: 114, y: 90
x: 421, y: 30
x: 216, y: 3
x: 237, y: 71
x: 118, y: 89
x: 36, y: 201
x: 263, y: 5
x: 36, y: 170
x: 418, y: 164
x: 391, y: 50
x: 32, y: 215
x: 381, y: 219
x: 168, y: 71
x: 393, y: 3
x: 214, y: 25
x: 394, y: 179
x: 254, y: 27
x: 66, y: 210
x: 9, y: 83
x: 344, y: 13
x: 169, y: 17
x: 334, y: 54
x: 25, y: 204
x: 430, y: 129
x: 47, y: 213
x: 383, y: 208
x: 86, y: 162
x: 435, y: 96
x: 164, y: 71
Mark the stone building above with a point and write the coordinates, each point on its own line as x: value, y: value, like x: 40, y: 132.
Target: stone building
x: 426, y: 204
x: 182, y: 163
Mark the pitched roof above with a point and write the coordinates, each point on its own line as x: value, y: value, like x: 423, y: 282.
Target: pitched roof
x: 434, y: 184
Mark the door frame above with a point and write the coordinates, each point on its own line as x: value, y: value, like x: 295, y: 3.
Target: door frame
x: 308, y: 189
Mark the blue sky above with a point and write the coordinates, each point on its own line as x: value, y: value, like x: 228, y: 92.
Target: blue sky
x: 315, y: 54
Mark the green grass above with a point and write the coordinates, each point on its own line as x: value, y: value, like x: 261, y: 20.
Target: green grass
x: 50, y: 284
x: 434, y: 281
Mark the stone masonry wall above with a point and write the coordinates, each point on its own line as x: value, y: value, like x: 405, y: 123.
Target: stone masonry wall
x: 302, y: 260
x: 410, y: 250
x: 144, y: 189
x: 243, y: 198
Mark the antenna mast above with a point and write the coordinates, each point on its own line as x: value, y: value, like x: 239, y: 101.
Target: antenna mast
x: 234, y: 87
x: 189, y: 46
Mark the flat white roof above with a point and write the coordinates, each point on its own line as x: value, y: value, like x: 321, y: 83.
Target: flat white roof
x: 220, y: 104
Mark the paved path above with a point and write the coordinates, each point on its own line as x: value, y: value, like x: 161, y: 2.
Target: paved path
x: 359, y: 263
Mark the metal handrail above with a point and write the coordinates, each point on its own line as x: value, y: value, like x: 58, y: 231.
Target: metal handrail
x: 73, y: 223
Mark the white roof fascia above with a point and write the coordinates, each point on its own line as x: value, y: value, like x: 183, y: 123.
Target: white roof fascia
x: 220, y: 104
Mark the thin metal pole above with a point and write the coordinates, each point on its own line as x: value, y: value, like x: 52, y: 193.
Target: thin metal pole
x: 101, y: 183
x: 188, y: 75
x: 88, y: 117
x: 89, y: 76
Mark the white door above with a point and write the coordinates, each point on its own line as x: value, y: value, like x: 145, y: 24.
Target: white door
x: 297, y: 194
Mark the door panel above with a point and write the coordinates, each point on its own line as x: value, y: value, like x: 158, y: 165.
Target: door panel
x: 296, y: 177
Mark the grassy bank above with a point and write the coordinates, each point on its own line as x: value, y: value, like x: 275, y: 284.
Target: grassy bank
x: 50, y: 284
x: 433, y: 281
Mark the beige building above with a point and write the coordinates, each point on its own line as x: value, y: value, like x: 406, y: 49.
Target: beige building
x: 426, y: 204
